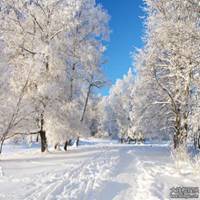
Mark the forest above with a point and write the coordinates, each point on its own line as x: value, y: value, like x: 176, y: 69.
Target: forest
x: 52, y: 58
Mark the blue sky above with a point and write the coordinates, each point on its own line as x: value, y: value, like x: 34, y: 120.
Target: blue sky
x: 127, y: 29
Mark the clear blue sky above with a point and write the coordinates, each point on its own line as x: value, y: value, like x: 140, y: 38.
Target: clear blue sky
x: 127, y: 29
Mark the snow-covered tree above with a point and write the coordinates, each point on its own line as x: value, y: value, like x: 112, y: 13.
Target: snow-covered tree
x: 46, y: 43
x: 170, y: 60
x: 30, y: 34
x: 118, y: 105
x: 14, y: 108
x: 85, y: 48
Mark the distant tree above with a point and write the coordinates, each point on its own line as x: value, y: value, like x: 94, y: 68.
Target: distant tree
x: 117, y: 106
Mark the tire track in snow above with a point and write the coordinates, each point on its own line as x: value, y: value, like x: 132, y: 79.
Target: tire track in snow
x: 91, y: 175
x: 147, y: 186
x: 75, y: 183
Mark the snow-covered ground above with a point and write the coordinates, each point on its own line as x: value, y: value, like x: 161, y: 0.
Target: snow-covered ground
x: 97, y: 170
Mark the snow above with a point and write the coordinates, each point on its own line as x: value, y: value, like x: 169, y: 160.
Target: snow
x: 98, y: 169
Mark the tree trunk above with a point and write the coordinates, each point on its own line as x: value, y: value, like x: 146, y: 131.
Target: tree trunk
x: 198, y: 141
x: 180, y: 136
x: 1, y: 144
x: 65, y: 146
x: 86, y: 102
x: 72, y: 82
x: 179, y: 139
x: 195, y: 142
x: 43, y: 141
x: 43, y: 137
x: 57, y: 146
x: 77, y: 141
x: 71, y: 89
x: 37, y: 138
x: 175, y: 141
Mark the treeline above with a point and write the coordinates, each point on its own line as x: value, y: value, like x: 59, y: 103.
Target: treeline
x: 162, y: 99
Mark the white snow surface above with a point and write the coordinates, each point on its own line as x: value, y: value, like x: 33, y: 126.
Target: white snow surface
x: 97, y: 170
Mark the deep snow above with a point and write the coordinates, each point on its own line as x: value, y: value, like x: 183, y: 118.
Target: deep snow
x: 97, y: 170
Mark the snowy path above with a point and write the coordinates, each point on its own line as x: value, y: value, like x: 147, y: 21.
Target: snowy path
x: 102, y: 172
